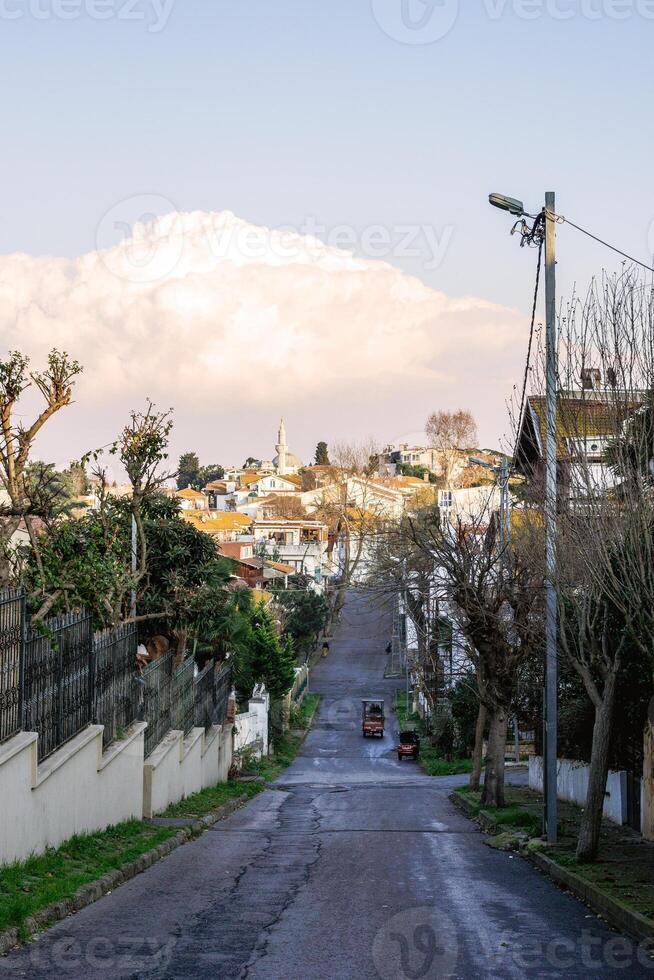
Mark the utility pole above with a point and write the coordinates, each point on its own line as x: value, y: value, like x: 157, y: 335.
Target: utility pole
x: 550, y: 733
x: 547, y: 217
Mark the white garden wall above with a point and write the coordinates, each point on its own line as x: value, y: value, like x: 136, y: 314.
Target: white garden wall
x: 572, y: 785
x: 180, y: 766
x: 77, y: 789
x: 252, y: 725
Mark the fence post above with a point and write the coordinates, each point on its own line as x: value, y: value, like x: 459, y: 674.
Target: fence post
x: 92, y: 679
x: 21, y: 661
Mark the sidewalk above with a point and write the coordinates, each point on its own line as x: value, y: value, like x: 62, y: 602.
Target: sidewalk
x: 624, y: 870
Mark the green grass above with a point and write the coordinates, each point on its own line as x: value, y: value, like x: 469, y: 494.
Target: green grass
x: 515, y: 816
x: 208, y: 800
x: 302, y: 714
x: 31, y: 885
x: 435, y: 765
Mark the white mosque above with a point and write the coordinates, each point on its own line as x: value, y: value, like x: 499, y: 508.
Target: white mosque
x: 285, y: 462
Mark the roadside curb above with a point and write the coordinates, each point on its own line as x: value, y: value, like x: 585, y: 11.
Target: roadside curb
x: 94, y: 890
x: 616, y: 914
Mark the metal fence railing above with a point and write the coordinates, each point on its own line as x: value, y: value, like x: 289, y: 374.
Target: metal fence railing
x: 58, y: 677
x: 223, y: 685
x: 58, y: 680
x: 212, y: 690
x: 116, y: 685
x: 12, y: 639
x: 182, y: 696
x: 157, y: 700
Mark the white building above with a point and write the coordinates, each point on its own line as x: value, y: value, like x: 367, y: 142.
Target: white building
x: 302, y: 544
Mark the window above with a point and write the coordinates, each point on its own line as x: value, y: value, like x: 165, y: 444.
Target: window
x: 445, y: 499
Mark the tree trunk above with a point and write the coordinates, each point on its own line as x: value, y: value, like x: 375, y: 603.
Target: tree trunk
x: 478, y: 751
x: 648, y: 775
x: 493, y: 792
x: 591, y: 819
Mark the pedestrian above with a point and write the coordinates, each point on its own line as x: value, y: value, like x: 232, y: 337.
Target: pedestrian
x: 325, y: 648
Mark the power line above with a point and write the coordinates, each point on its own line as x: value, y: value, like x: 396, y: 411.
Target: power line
x: 525, y: 379
x: 561, y: 219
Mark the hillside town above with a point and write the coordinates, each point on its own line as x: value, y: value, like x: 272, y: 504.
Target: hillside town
x: 326, y: 491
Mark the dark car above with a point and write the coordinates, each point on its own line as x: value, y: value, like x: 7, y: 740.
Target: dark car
x: 409, y: 746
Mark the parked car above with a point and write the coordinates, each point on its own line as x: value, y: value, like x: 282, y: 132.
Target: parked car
x: 409, y: 746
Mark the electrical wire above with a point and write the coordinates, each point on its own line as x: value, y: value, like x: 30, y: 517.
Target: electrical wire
x: 561, y: 219
x: 525, y: 379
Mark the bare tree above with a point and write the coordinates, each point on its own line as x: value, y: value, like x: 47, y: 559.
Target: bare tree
x: 55, y: 385
x: 605, y: 437
x: 450, y: 433
x: 496, y: 597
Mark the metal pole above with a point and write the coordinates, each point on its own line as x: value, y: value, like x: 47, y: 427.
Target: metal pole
x: 550, y: 766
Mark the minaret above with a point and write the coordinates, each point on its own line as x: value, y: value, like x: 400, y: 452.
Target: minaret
x: 281, y: 448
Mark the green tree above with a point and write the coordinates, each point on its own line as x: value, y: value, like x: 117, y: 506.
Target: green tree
x: 210, y: 473
x: 188, y: 472
x: 304, y: 616
x: 264, y: 658
x: 322, y: 454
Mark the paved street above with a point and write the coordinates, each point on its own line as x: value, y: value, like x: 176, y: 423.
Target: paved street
x: 354, y: 865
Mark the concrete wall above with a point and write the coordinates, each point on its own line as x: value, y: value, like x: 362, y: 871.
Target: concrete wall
x: 181, y: 766
x: 572, y: 785
x: 252, y: 725
x: 77, y: 789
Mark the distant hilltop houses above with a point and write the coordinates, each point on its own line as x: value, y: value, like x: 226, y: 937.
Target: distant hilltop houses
x: 276, y: 518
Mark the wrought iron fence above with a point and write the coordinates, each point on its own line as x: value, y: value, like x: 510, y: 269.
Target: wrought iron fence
x: 183, y: 696
x: 58, y: 680
x: 157, y: 700
x: 205, y: 696
x: 223, y: 687
x: 212, y: 690
x: 12, y: 638
x: 116, y: 694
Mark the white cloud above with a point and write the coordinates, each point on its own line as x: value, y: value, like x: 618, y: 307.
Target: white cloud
x: 233, y: 323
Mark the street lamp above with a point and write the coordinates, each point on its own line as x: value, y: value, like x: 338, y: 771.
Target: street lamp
x: 548, y: 218
x: 510, y: 204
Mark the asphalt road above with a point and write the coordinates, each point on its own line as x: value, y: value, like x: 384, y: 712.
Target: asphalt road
x: 354, y: 865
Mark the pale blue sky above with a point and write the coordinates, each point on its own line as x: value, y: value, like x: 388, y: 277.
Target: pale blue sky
x: 283, y: 110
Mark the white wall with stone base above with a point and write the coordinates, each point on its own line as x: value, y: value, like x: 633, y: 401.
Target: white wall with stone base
x: 78, y: 789
x: 180, y: 766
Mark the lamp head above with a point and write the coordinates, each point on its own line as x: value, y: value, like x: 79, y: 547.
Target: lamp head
x: 510, y: 204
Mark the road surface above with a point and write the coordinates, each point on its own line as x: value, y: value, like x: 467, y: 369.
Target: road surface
x: 353, y: 865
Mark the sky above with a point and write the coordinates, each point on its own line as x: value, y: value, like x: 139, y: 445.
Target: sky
x: 374, y: 127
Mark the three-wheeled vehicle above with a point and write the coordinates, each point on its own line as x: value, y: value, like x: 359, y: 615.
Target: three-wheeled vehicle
x: 372, y: 722
x: 409, y: 747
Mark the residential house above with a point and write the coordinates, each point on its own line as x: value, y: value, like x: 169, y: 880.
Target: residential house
x: 190, y: 499
x: 587, y: 421
x: 302, y: 545
x: 223, y: 526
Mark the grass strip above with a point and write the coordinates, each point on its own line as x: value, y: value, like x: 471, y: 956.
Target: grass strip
x: 28, y: 886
